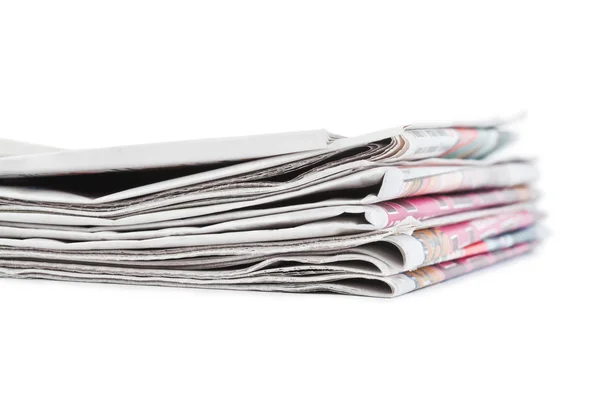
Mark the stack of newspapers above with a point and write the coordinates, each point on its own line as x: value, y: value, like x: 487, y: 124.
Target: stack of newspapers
x: 381, y: 214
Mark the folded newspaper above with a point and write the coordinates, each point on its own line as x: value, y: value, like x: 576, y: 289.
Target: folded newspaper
x: 380, y: 215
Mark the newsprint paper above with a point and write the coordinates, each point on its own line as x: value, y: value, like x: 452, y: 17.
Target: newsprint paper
x: 380, y: 214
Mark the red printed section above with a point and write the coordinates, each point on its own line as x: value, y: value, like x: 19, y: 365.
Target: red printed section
x: 425, y: 207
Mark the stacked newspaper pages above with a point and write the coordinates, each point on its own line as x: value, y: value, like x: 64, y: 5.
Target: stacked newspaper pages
x: 381, y: 214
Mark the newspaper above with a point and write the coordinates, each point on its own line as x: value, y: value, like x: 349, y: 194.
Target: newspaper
x: 363, y: 187
x: 450, y: 235
x: 326, y: 228
x: 358, y: 218
x: 404, y: 142
x: 286, y: 280
x: 341, y: 156
x: 373, y: 215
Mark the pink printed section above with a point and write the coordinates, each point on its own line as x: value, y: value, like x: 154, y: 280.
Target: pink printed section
x: 425, y: 207
x: 441, y: 241
x: 473, y: 231
x: 529, y: 234
x: 427, y: 276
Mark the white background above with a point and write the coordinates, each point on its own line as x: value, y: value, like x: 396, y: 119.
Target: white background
x: 88, y: 74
